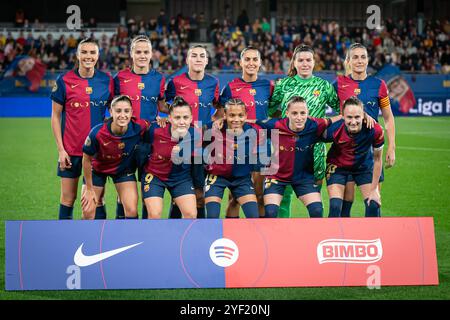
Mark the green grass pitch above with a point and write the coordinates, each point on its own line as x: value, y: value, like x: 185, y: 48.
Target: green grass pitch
x: 418, y: 185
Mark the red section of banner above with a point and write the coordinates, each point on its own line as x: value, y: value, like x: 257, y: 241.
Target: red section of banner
x: 332, y: 252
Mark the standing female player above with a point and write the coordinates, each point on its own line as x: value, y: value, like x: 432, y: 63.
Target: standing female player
x: 201, y: 91
x: 79, y: 101
x: 373, y: 93
x: 351, y: 154
x: 145, y: 88
x: 169, y: 164
x: 109, y: 152
x: 318, y: 94
x: 298, y: 135
x: 255, y: 93
x: 230, y: 162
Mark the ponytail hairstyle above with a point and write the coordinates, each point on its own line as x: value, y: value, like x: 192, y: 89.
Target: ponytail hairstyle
x: 178, y: 102
x: 85, y: 40
x: 353, y: 101
x: 295, y: 99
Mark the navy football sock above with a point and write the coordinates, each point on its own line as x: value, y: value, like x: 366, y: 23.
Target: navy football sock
x: 315, y: 209
x: 212, y: 210
x: 201, y: 213
x: 251, y: 209
x: 175, y: 212
x: 136, y: 217
x: 100, y: 213
x: 120, y: 211
x: 372, y: 209
x: 335, y: 208
x: 65, y: 212
x: 346, y: 208
x: 271, y: 210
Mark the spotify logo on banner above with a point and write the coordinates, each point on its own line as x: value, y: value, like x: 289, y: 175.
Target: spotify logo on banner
x: 224, y: 252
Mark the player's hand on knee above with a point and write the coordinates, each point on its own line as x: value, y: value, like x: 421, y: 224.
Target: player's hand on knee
x: 64, y: 160
x: 88, y: 201
x: 374, y: 196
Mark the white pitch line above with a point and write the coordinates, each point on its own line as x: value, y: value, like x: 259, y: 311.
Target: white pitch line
x: 423, y: 149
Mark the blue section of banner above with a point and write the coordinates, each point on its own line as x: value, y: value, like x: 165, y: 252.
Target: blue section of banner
x: 40, y: 255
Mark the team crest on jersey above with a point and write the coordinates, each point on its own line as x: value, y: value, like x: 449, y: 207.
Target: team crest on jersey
x: 198, y: 92
x: 252, y: 92
x: 141, y: 86
x: 55, y: 87
x: 87, y: 142
x: 316, y: 93
x: 357, y: 91
x: 88, y: 90
x: 121, y: 145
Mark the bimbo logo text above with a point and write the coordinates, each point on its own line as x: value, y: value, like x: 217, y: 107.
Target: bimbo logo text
x: 349, y: 251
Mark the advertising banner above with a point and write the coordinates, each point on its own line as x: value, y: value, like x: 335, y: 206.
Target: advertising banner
x: 146, y: 254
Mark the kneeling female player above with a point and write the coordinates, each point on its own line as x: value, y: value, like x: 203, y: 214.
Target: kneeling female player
x: 230, y: 163
x: 109, y: 152
x: 351, y: 154
x: 298, y: 134
x: 168, y: 166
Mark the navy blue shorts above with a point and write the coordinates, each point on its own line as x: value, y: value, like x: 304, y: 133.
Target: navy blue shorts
x: 99, y: 179
x: 275, y: 186
x: 152, y: 186
x: 198, y: 175
x: 342, y: 177
x: 75, y: 171
x: 239, y: 187
x: 350, y: 178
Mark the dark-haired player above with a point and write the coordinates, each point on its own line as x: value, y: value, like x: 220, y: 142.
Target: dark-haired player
x: 79, y: 101
x: 351, y: 155
x: 255, y: 93
x: 169, y: 164
x: 109, y: 152
x: 201, y: 91
x: 232, y: 154
x: 373, y: 93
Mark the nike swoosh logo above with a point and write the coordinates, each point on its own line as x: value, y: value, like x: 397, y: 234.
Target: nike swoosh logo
x: 74, y: 86
x: 127, y: 80
x: 184, y: 87
x: 106, y: 143
x: 345, y: 85
x: 238, y: 89
x: 82, y: 260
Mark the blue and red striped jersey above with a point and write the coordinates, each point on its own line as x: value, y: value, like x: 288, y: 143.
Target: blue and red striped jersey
x: 295, y: 149
x: 256, y: 96
x: 144, y: 90
x: 162, y: 145
x: 232, y: 156
x: 84, y: 102
x: 353, y: 152
x: 201, y: 95
x: 372, y: 91
x: 114, y: 154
